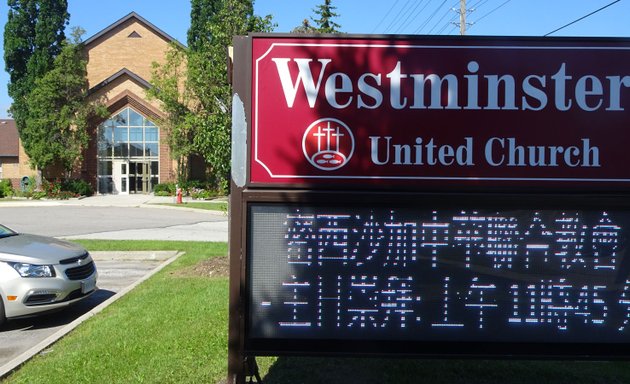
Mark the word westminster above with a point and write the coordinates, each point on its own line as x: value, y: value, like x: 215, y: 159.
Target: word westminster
x: 407, y: 90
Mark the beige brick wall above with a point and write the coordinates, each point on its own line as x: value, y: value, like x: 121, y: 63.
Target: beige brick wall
x: 115, y: 50
x: 25, y: 167
x: 112, y: 52
x: 14, y: 170
x: 120, y: 86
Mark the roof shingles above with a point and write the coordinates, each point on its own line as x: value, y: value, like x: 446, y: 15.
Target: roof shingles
x: 9, y: 139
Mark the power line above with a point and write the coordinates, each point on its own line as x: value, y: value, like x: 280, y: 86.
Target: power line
x: 385, y: 17
x: 491, y: 12
x: 448, y: 24
x: 430, y: 17
x: 582, y: 18
x: 413, y: 13
x: 463, y: 11
x: 479, y: 4
x: 395, y: 20
x: 452, y: 29
x: 443, y: 16
x: 452, y: 22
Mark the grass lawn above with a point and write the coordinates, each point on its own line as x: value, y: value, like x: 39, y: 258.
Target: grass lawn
x: 173, y: 329
x: 208, y: 205
x: 170, y: 329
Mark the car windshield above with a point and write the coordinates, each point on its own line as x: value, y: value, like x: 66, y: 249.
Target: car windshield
x: 6, y: 232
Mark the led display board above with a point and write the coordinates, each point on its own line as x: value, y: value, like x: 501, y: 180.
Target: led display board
x: 438, y: 275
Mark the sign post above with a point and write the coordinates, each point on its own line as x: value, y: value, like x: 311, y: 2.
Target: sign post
x: 425, y: 196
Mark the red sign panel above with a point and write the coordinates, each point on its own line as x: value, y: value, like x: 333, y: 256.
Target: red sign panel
x: 428, y: 112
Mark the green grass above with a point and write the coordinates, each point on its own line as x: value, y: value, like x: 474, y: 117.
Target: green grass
x: 173, y: 329
x: 207, y: 205
x: 170, y: 329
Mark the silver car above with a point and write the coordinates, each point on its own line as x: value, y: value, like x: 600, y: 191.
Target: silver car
x: 41, y: 274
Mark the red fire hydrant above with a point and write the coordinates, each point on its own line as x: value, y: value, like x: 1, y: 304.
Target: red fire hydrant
x: 179, y: 196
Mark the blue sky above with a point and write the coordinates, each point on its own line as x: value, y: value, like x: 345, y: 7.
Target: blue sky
x: 489, y: 17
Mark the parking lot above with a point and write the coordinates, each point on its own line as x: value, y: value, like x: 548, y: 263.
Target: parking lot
x: 101, y: 217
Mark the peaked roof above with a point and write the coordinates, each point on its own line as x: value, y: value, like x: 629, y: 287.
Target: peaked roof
x: 122, y: 72
x: 9, y: 139
x: 132, y: 15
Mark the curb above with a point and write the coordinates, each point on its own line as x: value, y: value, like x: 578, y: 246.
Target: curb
x: 183, y: 208
x: 16, y: 363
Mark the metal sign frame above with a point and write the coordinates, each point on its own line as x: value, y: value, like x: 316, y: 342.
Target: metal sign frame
x: 242, y: 349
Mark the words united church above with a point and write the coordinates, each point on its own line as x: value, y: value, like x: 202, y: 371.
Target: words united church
x: 128, y: 151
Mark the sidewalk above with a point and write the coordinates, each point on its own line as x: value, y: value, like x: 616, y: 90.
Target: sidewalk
x: 96, y: 201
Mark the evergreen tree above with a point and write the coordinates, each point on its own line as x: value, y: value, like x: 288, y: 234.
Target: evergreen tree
x: 33, y: 37
x: 326, y: 13
x: 55, y: 129
x: 304, y: 28
x: 201, y: 13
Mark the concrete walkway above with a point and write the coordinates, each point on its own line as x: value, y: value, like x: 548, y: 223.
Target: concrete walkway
x: 132, y: 200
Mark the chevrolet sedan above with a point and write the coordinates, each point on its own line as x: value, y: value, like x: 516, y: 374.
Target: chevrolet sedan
x: 41, y: 274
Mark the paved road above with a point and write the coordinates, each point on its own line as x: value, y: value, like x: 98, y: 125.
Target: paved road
x: 99, y: 218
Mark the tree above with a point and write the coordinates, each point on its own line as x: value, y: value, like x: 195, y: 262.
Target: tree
x: 169, y: 80
x: 33, y: 37
x: 199, y: 102
x: 326, y: 13
x: 55, y: 129
x: 201, y: 12
x: 304, y: 28
x: 209, y: 79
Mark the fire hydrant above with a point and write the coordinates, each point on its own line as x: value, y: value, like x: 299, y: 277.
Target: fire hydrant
x: 179, y: 196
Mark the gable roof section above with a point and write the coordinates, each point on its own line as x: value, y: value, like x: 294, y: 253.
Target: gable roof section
x: 9, y: 139
x: 140, y: 19
x: 123, y: 72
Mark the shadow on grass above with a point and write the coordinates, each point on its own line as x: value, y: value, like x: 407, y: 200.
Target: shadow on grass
x: 61, y: 317
x: 295, y: 370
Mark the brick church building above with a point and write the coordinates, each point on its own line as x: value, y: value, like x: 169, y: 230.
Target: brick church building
x: 128, y: 151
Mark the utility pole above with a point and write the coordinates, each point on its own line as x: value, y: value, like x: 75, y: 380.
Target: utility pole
x: 462, y: 17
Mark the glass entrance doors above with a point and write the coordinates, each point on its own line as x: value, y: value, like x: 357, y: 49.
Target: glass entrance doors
x: 128, y: 154
x: 139, y: 177
x: 121, y: 177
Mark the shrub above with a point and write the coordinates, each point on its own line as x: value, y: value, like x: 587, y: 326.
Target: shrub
x: 77, y: 187
x: 203, y: 194
x: 164, y: 189
x: 35, y: 195
x: 51, y: 189
x: 6, y: 189
x: 65, y: 189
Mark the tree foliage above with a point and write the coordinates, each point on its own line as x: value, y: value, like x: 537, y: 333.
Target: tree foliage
x: 55, y: 129
x: 326, y: 13
x: 305, y: 28
x: 169, y: 80
x: 201, y: 12
x: 199, y: 102
x: 33, y: 37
